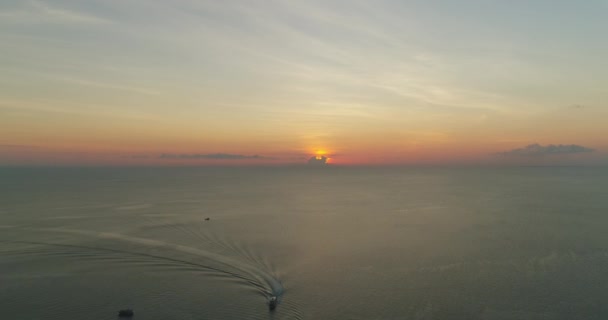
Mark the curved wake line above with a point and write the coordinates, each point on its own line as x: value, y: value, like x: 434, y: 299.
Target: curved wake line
x: 216, y: 241
x: 146, y: 255
x: 260, y: 276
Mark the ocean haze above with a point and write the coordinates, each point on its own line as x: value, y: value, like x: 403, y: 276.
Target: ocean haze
x: 331, y: 242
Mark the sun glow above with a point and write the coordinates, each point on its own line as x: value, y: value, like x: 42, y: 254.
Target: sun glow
x: 321, y: 153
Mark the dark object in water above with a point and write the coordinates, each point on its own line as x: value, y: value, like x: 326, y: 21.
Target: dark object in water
x: 272, y: 303
x: 207, y: 219
x: 125, y: 313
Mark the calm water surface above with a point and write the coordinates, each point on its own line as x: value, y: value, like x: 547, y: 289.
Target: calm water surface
x: 332, y: 243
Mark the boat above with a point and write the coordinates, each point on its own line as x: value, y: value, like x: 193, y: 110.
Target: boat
x: 125, y: 313
x: 272, y: 303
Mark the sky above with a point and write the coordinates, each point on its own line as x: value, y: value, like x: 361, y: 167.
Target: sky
x: 273, y: 82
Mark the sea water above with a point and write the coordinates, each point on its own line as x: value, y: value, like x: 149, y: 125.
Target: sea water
x: 329, y: 242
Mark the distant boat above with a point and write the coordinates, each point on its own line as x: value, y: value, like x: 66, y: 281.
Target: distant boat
x: 272, y: 303
x: 125, y: 313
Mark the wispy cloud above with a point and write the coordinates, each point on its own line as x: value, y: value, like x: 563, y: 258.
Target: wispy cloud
x: 138, y: 156
x: 105, y: 85
x: 17, y: 147
x: 577, y: 106
x: 37, y: 12
x: 213, y: 156
x: 539, y: 150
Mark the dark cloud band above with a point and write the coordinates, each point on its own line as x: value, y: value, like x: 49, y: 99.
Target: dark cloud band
x: 216, y: 156
x: 539, y: 150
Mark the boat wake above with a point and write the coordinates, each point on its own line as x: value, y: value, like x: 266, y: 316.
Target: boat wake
x: 261, y: 280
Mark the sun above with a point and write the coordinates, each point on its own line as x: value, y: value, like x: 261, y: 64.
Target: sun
x: 320, y: 153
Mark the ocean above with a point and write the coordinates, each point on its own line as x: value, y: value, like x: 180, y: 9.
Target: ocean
x: 330, y: 242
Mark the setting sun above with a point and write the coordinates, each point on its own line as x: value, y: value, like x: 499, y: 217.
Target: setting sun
x: 322, y: 153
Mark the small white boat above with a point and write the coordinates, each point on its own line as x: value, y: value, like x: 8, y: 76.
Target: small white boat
x: 272, y: 303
